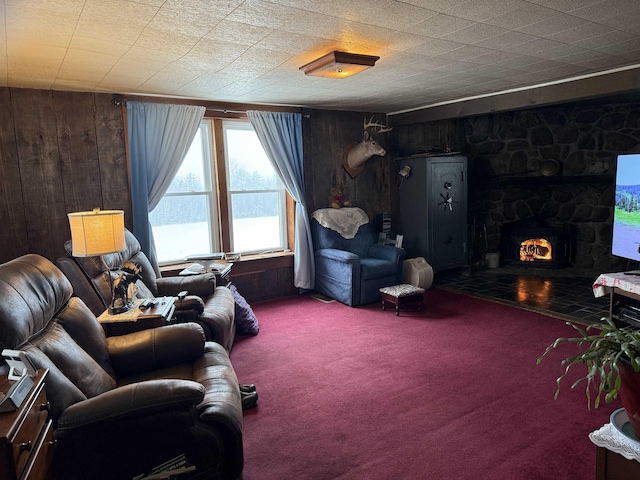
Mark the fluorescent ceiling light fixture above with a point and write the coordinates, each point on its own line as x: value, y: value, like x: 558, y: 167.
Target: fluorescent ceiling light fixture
x: 339, y: 64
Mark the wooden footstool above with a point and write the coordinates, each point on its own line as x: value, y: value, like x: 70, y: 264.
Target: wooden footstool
x: 400, y: 295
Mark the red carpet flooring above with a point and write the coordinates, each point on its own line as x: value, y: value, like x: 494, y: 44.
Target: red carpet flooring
x: 451, y: 392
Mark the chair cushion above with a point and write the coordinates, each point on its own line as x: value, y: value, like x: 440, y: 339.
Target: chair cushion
x: 376, y: 268
x: 326, y: 238
x: 73, y: 362
x: 32, y: 290
x: 78, y: 321
x: 61, y: 393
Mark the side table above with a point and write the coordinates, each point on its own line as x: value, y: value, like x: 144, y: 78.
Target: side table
x: 624, y: 294
x: 135, y: 319
x: 613, y: 466
x: 618, y: 454
x: 221, y: 269
x: 26, y: 434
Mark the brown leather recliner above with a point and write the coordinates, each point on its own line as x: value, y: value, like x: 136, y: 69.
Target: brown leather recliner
x: 90, y: 280
x: 121, y: 405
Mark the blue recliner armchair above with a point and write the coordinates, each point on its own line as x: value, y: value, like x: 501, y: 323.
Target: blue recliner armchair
x: 350, y: 266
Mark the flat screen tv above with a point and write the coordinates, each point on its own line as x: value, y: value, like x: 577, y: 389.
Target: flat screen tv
x: 626, y: 216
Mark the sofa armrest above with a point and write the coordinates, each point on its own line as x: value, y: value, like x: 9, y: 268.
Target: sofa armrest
x: 342, y: 256
x: 202, y: 285
x: 222, y: 406
x: 155, y: 348
x: 387, y: 252
x: 131, y: 402
x: 189, y: 308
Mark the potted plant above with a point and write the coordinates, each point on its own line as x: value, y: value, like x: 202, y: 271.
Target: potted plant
x: 612, y: 359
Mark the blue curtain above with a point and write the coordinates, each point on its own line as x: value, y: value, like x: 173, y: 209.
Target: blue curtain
x: 159, y: 138
x: 280, y: 134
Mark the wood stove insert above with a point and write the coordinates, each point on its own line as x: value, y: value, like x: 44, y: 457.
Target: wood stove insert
x: 538, y: 242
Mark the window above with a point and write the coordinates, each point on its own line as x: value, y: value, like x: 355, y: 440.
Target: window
x: 257, y: 212
x: 182, y: 221
x: 248, y: 212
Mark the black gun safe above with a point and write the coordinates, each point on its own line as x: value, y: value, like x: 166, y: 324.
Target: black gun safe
x: 433, y: 209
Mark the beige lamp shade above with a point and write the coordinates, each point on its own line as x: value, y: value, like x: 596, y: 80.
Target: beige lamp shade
x: 97, y: 232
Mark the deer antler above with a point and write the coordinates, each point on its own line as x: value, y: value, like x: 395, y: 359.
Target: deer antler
x: 371, y: 123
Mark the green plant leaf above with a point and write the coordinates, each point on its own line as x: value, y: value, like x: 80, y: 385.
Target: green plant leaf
x: 602, y: 346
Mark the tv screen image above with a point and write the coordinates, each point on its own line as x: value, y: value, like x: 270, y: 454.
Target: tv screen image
x: 626, y: 217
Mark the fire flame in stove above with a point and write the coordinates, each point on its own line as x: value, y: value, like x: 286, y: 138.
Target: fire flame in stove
x: 535, y: 250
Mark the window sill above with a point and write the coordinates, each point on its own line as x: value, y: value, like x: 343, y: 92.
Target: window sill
x: 246, y: 264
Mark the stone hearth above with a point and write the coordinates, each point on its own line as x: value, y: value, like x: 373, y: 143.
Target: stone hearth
x: 510, y: 179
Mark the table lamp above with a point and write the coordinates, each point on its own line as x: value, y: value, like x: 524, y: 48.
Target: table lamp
x: 97, y: 233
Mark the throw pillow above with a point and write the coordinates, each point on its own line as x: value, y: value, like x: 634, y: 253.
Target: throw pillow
x: 246, y: 321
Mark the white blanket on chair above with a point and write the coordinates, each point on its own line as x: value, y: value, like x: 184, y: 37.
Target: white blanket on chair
x: 345, y: 221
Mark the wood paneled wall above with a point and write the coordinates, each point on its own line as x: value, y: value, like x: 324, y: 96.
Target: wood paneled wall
x: 326, y: 134
x: 60, y: 152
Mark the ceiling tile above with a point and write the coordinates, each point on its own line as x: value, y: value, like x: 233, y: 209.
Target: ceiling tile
x: 603, y: 41
x: 602, y: 63
x: 581, y: 32
x: 123, y: 80
x: 434, y: 46
x: 172, y: 46
x: 506, y: 41
x: 522, y: 16
x: 251, y: 50
x: 29, y: 24
x: 621, y: 49
x: 263, y: 14
x: 88, y: 62
x: 36, y: 56
x: 563, y: 5
x: 563, y: 52
x: 67, y: 77
x: 596, y: 11
x: 396, y: 15
x: 239, y: 32
x: 93, y: 44
x: 472, y: 53
x: 527, y: 63
x: 436, y: 5
x: 315, y: 24
x: 482, y: 10
x: 475, y: 33
x: 563, y: 71
x: 532, y: 46
x: 617, y: 21
x: 551, y: 25
x: 438, y: 26
x: 632, y: 55
x: 293, y: 43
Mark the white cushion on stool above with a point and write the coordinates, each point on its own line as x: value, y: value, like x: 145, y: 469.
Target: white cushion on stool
x: 402, y: 290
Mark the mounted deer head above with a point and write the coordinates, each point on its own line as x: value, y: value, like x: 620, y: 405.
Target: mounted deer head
x: 355, y: 157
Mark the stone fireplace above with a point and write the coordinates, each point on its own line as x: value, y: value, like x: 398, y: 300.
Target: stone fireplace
x: 511, y: 184
x: 538, y: 242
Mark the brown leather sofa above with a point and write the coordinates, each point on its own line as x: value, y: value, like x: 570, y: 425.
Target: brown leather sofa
x: 121, y: 405
x: 90, y: 280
